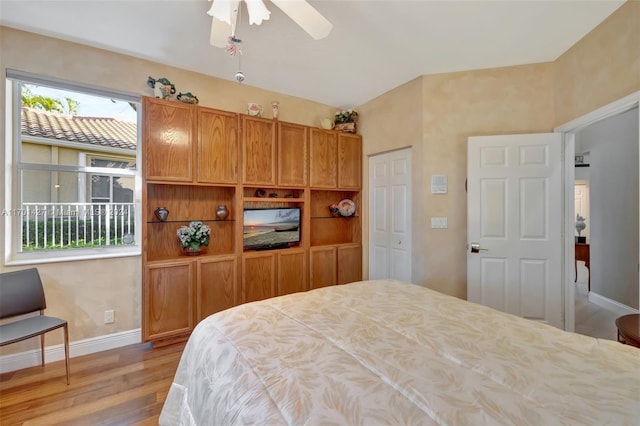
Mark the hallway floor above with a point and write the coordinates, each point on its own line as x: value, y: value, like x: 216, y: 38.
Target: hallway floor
x: 591, y: 319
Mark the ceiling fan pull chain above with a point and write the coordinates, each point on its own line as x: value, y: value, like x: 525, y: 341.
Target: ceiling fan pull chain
x: 236, y: 49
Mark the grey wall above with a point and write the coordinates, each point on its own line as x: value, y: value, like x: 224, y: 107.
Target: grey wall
x: 613, y: 183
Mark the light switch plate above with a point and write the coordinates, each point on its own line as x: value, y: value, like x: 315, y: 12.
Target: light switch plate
x: 439, y: 222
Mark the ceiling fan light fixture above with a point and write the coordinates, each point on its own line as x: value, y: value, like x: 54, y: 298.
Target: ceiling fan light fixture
x: 257, y: 11
x: 224, y: 10
x: 301, y: 12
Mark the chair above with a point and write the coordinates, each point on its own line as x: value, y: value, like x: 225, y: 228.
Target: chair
x: 21, y: 293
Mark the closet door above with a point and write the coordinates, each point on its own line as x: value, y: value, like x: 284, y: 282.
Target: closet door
x: 168, y: 134
x: 390, y: 216
x: 258, y: 151
x: 323, y: 162
x: 349, y: 161
x: 293, y: 155
x: 218, y: 146
x: 258, y: 276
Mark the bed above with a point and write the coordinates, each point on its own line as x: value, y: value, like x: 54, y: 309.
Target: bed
x: 390, y: 353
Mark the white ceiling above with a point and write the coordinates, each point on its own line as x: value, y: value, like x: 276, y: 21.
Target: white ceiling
x: 375, y: 45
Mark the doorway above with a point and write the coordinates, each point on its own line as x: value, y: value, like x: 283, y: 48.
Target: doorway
x: 574, y: 134
x: 390, y: 189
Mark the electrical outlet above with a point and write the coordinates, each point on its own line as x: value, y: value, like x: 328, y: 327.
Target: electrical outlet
x: 109, y: 316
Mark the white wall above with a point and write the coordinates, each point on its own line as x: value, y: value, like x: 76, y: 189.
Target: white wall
x: 613, y: 182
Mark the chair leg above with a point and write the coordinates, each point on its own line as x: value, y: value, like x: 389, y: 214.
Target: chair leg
x: 42, y: 348
x: 66, y: 351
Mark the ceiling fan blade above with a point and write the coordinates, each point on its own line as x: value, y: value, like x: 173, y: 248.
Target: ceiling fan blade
x: 223, y: 23
x: 220, y: 32
x: 303, y: 14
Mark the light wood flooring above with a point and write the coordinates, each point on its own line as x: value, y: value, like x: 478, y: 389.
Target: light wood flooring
x: 591, y: 319
x: 124, y: 386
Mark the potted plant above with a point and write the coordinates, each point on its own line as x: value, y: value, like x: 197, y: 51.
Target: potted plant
x: 194, y: 236
x: 345, y: 120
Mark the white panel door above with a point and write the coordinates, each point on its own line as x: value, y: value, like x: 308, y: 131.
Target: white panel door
x: 514, y: 219
x: 390, y: 215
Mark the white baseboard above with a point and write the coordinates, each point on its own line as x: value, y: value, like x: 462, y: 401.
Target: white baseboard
x: 54, y: 353
x: 611, y: 305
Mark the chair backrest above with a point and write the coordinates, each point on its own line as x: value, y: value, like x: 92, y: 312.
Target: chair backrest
x: 21, y: 292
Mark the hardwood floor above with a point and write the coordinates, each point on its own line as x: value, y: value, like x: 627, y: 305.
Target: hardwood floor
x: 124, y: 386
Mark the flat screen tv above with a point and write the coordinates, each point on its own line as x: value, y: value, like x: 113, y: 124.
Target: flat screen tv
x: 271, y: 228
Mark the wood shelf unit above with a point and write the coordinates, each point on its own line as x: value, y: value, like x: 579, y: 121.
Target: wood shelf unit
x: 327, y: 229
x: 197, y: 158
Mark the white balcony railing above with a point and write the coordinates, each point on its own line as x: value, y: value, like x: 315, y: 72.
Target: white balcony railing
x: 76, y: 225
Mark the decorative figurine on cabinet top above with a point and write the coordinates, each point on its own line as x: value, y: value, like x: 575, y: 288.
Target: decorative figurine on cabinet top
x: 187, y: 98
x: 162, y: 87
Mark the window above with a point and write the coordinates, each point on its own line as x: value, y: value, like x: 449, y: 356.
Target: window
x: 109, y: 188
x: 74, y: 188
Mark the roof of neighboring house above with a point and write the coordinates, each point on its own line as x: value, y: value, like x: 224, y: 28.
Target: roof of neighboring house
x: 102, y: 131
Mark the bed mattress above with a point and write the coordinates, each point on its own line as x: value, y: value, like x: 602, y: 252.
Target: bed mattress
x: 391, y: 353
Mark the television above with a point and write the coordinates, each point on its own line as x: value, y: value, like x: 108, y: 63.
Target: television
x: 271, y: 228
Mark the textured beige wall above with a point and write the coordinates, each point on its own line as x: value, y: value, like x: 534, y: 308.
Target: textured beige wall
x: 81, y: 290
x: 458, y: 105
x: 436, y: 114
x: 602, y: 67
x: 394, y: 121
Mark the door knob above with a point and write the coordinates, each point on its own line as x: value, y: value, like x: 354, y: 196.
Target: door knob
x: 475, y: 248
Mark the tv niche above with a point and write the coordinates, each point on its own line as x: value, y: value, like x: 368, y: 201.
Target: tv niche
x: 271, y: 228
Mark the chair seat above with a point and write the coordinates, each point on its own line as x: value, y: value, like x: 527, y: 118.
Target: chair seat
x: 27, y: 328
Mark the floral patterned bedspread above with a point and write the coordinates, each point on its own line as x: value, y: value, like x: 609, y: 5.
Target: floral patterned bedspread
x: 391, y: 353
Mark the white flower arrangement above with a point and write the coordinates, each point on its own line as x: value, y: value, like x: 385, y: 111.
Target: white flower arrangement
x: 194, y: 235
x: 346, y: 116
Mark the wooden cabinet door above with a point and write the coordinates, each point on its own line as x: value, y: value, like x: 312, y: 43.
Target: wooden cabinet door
x: 322, y: 266
x: 323, y: 168
x: 258, y: 276
x: 293, y: 155
x: 349, y: 263
x: 217, y: 146
x: 168, y: 133
x: 349, y: 161
x: 292, y: 272
x: 168, y: 306
x: 258, y: 151
x: 216, y: 285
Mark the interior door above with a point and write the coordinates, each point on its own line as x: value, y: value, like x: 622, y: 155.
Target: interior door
x: 514, y: 221
x: 390, y: 215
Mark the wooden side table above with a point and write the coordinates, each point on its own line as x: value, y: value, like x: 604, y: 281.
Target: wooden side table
x: 582, y: 253
x: 629, y: 329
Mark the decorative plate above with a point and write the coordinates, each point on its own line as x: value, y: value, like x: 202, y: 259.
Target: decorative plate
x: 347, y: 207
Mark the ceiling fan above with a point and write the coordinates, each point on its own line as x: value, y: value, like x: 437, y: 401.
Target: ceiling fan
x: 225, y: 16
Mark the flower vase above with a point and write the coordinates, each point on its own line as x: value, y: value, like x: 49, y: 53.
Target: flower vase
x: 222, y: 212
x: 161, y: 213
x: 193, y: 250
